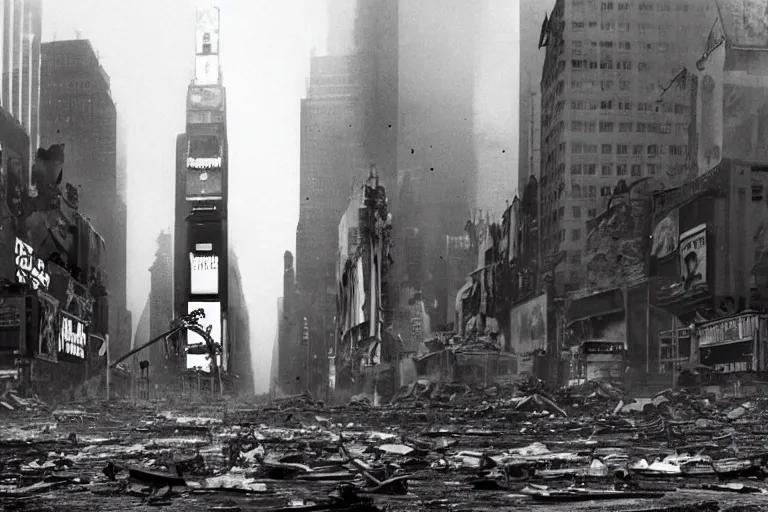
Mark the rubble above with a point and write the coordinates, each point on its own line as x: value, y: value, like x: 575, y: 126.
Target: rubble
x: 457, y: 443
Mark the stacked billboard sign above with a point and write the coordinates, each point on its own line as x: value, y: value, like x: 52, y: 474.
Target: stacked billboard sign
x: 207, y: 47
x: 204, y: 274
x: 72, y: 337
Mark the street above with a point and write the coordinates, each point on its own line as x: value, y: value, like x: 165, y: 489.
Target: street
x: 435, y: 448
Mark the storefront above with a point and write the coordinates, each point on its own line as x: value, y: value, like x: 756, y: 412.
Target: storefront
x: 734, y: 344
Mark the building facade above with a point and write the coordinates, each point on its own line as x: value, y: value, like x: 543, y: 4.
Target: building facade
x: 77, y: 110
x: 21, y: 26
x: 604, y: 115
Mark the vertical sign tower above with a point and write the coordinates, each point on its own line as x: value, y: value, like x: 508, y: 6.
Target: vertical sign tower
x: 200, y: 242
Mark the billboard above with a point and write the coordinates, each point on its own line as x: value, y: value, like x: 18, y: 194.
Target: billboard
x: 528, y: 330
x: 665, y: 237
x: 204, y: 167
x: 204, y: 274
x: 206, y: 69
x: 205, y: 98
x: 212, y: 318
x: 693, y: 260
x: 207, y: 31
x: 29, y: 268
x: 72, y: 337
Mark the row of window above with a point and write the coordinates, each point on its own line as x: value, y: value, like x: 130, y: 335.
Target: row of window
x: 581, y: 148
x: 628, y: 127
x: 634, y: 170
x: 646, y: 6
x: 607, y: 63
x: 642, y: 106
x: 577, y: 47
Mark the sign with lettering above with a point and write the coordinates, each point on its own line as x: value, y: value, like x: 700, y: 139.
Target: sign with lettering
x: 29, y: 268
x: 204, y: 274
x: 72, y: 337
x: 204, y: 163
x: 728, y: 330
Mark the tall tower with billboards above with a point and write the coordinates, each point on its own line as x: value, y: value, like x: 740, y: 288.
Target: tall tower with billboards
x: 201, y: 249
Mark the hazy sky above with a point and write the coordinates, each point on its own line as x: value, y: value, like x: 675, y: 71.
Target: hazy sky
x: 147, y: 48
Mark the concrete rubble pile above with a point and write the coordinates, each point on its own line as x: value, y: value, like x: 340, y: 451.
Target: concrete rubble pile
x: 436, y: 446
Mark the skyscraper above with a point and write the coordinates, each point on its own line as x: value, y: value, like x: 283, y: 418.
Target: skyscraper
x: 603, y: 119
x: 77, y: 109
x: 21, y: 26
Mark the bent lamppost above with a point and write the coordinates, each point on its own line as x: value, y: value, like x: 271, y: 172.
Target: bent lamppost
x: 187, y: 322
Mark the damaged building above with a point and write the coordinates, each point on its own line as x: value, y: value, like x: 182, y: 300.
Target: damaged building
x: 365, y: 346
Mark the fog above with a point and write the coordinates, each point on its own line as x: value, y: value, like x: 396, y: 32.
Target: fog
x: 147, y: 48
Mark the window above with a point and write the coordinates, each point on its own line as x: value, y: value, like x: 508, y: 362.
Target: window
x: 607, y: 63
x: 592, y: 213
x: 606, y: 127
x: 577, y: 47
x: 625, y: 127
x: 577, y: 126
x: 606, y: 169
x: 665, y: 128
x: 622, y: 149
x: 675, y: 150
x: 623, y: 27
x: 606, y: 6
x: 577, y: 148
x: 575, y: 235
x: 577, y: 25
x: 625, y: 46
x: 624, y: 85
x: 642, y: 66
x: 592, y: 191
x: 576, y: 190
x: 590, y: 149
x: 621, y: 170
x: 605, y: 191
x: 577, y: 64
x: 651, y: 168
x: 623, y: 6
x: 636, y: 170
x: 608, y: 27
x: 653, y: 150
x: 606, y: 149
x: 606, y: 44
x: 576, y: 212
x: 637, y: 149
x: 576, y: 255
x: 577, y: 105
x: 625, y: 105
x: 606, y: 105
x: 575, y: 169
x: 589, y: 169
x: 590, y: 127
x: 641, y: 127
x: 624, y: 64
x: 606, y: 85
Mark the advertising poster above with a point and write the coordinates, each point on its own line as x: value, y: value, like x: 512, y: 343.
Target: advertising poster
x: 665, y: 237
x: 204, y: 274
x: 206, y: 98
x: 693, y: 260
x: 212, y: 318
x: 47, y: 339
x: 528, y: 330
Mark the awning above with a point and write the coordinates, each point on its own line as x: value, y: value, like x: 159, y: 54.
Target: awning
x: 600, y: 304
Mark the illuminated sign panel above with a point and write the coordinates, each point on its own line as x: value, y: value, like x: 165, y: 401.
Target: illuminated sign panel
x: 204, y: 161
x: 207, y: 33
x: 207, y: 69
x: 212, y: 318
x: 29, y: 268
x: 204, y: 274
x: 205, y: 98
x: 72, y: 337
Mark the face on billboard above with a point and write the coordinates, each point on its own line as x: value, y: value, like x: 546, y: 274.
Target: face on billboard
x: 204, y: 274
x: 212, y: 318
x: 207, y: 69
